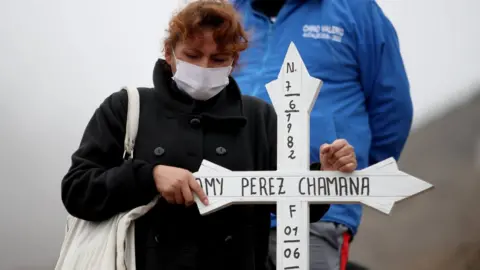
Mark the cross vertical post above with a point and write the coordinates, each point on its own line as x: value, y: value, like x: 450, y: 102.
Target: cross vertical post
x: 293, y: 101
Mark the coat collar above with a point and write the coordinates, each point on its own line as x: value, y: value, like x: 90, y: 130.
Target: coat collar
x: 226, y: 107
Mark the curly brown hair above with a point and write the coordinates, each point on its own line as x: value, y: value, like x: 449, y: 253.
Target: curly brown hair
x: 218, y: 16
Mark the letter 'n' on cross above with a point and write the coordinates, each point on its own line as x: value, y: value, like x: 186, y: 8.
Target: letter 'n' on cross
x: 293, y: 186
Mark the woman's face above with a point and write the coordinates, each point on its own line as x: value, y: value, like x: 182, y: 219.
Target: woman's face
x: 201, y: 51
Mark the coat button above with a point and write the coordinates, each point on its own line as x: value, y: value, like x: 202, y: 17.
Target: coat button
x: 159, y: 151
x: 221, y: 151
x: 195, y: 122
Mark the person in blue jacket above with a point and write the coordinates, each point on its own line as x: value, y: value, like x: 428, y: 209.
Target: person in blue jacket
x: 354, y: 49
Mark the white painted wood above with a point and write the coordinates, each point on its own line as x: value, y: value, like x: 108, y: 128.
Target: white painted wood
x: 384, y: 205
x: 293, y: 95
x: 293, y: 234
x: 384, y: 175
x: 316, y: 187
x: 214, y: 204
x: 293, y: 186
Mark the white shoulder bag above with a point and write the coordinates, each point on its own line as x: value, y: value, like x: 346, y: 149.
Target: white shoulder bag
x: 110, y: 244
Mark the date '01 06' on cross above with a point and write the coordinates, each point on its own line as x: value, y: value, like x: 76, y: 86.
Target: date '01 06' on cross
x: 293, y: 187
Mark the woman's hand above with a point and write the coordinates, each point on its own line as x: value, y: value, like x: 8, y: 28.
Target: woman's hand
x: 177, y: 185
x: 338, y: 156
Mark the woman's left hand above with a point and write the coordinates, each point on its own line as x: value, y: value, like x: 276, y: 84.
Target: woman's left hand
x: 338, y: 156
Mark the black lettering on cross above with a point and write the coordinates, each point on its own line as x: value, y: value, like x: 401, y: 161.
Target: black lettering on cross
x: 292, y: 210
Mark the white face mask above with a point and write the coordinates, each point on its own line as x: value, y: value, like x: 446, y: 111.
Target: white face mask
x: 199, y: 82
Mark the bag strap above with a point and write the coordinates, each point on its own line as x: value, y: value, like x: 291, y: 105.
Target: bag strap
x: 133, y: 114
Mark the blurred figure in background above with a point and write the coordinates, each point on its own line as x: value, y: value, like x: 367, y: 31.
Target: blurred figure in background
x: 353, y: 47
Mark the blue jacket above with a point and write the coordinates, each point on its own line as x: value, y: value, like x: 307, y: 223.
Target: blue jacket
x: 353, y: 48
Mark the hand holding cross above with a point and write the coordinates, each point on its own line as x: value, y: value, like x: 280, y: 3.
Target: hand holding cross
x: 338, y: 156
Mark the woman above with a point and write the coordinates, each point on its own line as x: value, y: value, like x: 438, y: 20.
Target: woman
x: 195, y: 111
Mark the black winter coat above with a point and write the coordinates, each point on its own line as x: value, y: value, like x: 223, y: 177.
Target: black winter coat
x: 234, y: 131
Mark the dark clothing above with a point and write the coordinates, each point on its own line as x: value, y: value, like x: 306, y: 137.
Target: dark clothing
x: 268, y: 7
x: 177, y: 131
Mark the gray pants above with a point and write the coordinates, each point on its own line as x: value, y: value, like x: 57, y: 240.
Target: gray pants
x: 326, y: 242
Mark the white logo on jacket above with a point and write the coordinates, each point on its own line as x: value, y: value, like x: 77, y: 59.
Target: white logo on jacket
x: 330, y: 32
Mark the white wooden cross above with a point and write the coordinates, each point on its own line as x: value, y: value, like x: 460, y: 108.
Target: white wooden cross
x: 293, y: 186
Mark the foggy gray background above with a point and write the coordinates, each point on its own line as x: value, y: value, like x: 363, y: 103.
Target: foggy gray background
x: 437, y: 230
x: 59, y: 59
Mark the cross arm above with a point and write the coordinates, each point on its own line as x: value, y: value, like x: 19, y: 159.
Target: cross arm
x: 317, y: 211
